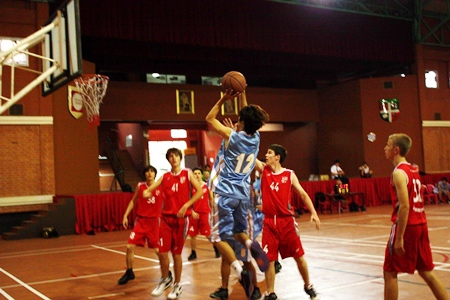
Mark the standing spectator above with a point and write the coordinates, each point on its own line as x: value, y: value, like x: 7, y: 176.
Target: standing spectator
x: 408, y: 248
x: 176, y: 186
x: 206, y: 174
x: 443, y: 190
x: 146, y: 225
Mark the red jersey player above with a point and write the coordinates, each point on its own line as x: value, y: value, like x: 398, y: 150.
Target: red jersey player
x: 200, y: 219
x: 176, y: 186
x: 408, y: 248
x: 146, y: 225
x: 280, y: 232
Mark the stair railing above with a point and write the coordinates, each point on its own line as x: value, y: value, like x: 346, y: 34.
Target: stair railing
x: 116, y: 166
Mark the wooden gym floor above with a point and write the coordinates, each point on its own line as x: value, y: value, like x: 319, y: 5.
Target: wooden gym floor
x: 345, y: 262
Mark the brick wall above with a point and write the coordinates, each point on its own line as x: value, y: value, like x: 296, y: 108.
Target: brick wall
x: 26, y: 160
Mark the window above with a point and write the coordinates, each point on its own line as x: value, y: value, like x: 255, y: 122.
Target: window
x: 166, y: 78
x: 20, y: 59
x: 157, y: 152
x: 206, y: 80
x: 431, y: 80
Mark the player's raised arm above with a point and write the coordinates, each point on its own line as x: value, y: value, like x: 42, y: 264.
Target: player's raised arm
x: 211, y: 117
x: 242, y: 100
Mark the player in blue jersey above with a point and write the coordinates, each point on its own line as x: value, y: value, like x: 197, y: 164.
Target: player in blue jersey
x: 230, y: 182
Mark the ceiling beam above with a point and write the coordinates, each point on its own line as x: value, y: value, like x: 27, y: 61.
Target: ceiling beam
x: 430, y: 19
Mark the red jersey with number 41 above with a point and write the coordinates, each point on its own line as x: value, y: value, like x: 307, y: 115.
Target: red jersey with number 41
x: 177, y: 191
x: 416, y: 205
x: 276, y: 192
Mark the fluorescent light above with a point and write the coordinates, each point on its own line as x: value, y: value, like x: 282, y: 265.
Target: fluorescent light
x: 178, y: 133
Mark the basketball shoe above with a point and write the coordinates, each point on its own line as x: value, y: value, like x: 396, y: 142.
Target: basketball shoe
x: 311, y: 292
x: 129, y: 275
x: 260, y: 256
x: 221, y: 293
x: 176, y: 291
x: 247, y: 281
x: 164, y: 284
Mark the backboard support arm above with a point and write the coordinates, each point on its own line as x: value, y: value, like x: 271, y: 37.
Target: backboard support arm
x: 24, y: 47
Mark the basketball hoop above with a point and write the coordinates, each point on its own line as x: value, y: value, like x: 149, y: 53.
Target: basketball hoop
x: 93, y: 89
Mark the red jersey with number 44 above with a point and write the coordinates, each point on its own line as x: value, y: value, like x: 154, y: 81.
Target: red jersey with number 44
x: 202, y: 205
x: 149, y: 207
x: 416, y: 207
x: 177, y: 191
x: 276, y: 192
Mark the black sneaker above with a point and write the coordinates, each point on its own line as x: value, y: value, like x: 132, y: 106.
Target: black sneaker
x: 311, y: 292
x: 220, y: 293
x: 278, y: 267
x: 260, y: 256
x: 217, y: 252
x: 247, y: 281
x: 193, y: 255
x: 271, y: 296
x: 129, y: 275
x: 256, y: 294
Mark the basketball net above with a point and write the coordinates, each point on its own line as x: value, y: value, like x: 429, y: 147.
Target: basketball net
x: 92, y: 88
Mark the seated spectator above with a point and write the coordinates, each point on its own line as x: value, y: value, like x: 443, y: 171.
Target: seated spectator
x: 336, y: 170
x: 418, y: 169
x: 365, y: 171
x: 443, y: 190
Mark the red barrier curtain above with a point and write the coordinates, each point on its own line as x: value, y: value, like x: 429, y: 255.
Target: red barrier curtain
x: 101, y: 212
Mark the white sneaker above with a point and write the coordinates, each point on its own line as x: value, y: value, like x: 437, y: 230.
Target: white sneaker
x: 164, y: 284
x: 176, y: 291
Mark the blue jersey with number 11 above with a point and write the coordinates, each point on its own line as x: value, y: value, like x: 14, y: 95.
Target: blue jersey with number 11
x: 236, y: 164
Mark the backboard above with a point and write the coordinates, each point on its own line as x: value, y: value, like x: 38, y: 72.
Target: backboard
x: 63, y: 46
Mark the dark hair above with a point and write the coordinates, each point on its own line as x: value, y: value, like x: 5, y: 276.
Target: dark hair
x: 279, y: 150
x: 197, y: 168
x: 175, y: 151
x: 337, y: 161
x: 444, y: 179
x: 150, y: 168
x: 254, y: 117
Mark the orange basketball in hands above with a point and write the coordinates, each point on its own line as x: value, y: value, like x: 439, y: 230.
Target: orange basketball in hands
x: 235, y: 81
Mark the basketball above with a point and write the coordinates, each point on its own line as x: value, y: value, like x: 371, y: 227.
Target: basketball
x: 234, y: 80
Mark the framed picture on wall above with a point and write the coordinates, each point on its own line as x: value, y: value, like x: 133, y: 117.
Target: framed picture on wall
x: 229, y: 107
x: 185, y: 102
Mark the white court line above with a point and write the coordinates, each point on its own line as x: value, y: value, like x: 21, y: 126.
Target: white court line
x: 438, y: 228
x: 54, y: 251
x: 123, y: 253
x: 80, y: 277
x: 24, y: 285
x: 7, y: 296
x: 106, y: 295
x: 357, y: 242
